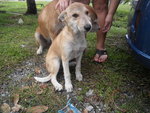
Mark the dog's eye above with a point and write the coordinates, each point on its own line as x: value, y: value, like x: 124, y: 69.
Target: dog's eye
x: 86, y: 12
x: 75, y: 15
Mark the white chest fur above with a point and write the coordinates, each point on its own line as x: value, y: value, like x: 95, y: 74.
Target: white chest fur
x: 77, y: 47
x: 74, y: 45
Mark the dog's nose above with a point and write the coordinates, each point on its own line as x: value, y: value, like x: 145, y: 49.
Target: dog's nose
x: 87, y: 27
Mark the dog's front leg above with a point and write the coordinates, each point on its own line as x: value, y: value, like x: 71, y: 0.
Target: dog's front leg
x: 79, y: 76
x: 68, y: 84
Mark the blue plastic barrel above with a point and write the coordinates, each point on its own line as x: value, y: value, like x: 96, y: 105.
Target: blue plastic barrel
x: 138, y: 36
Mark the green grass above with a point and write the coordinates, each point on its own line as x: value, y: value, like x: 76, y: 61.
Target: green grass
x: 13, y: 36
x: 30, y: 98
x: 120, y: 75
x: 120, y: 69
x: 19, y: 7
x: 17, y: 41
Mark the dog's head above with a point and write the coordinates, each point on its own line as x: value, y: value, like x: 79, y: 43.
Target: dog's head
x: 80, y: 17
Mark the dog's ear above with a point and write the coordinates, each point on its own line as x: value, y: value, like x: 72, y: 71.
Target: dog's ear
x: 62, y: 16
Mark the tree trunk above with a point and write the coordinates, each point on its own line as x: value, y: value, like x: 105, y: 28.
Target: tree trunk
x: 31, y: 7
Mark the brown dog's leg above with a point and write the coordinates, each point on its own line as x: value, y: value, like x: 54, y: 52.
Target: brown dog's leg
x: 40, y: 41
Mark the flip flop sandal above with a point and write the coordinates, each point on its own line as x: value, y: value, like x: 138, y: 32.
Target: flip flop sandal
x: 100, y: 53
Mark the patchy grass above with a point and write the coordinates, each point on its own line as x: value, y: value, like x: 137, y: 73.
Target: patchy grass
x: 19, y: 7
x: 119, y: 77
x: 17, y: 41
x: 121, y: 83
x: 30, y: 97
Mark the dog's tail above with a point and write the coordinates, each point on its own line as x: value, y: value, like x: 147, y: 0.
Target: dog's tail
x: 44, y: 79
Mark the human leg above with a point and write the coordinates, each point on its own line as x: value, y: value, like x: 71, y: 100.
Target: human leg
x: 101, y: 8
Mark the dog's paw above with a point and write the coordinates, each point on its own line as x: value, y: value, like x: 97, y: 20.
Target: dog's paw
x: 69, y: 87
x: 39, y: 51
x: 58, y: 87
x: 79, y: 77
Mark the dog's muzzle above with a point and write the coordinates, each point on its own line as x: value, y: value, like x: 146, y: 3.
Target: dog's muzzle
x: 87, y: 27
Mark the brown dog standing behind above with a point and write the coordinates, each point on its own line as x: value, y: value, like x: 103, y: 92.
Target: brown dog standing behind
x: 49, y: 25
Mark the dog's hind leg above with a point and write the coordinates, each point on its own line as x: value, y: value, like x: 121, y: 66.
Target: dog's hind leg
x: 58, y: 86
x: 40, y: 42
x: 53, y: 66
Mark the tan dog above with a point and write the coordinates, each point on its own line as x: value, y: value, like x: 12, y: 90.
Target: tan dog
x: 49, y: 25
x: 70, y: 43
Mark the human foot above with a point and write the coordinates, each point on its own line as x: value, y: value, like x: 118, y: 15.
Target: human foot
x: 100, y: 56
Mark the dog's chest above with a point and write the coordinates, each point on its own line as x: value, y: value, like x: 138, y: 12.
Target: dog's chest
x: 78, y: 46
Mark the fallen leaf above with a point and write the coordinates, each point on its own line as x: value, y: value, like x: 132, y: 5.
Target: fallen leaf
x: 70, y: 111
x: 16, y: 108
x: 5, y: 108
x: 25, y: 87
x: 44, y: 65
x: 85, y: 111
x: 37, y: 109
x: 34, y: 84
x: 43, y: 86
x: 40, y: 92
x: 37, y: 70
x: 16, y: 99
